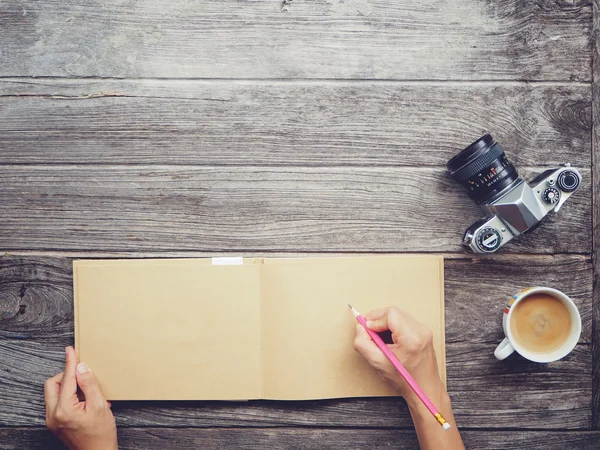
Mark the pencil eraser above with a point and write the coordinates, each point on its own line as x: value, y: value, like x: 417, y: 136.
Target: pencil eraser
x: 446, y: 426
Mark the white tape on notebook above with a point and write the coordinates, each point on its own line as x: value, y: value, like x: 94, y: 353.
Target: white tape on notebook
x: 228, y: 261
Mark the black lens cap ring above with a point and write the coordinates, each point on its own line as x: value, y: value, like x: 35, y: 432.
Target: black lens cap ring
x: 483, y: 169
x: 470, y: 153
x: 475, y: 158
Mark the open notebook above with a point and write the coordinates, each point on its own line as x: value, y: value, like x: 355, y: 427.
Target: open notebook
x: 186, y: 329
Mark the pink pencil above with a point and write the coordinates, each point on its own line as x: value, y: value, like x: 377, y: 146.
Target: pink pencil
x: 400, y: 368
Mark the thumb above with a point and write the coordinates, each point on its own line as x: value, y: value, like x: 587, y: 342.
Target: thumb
x: 89, y: 386
x: 68, y: 385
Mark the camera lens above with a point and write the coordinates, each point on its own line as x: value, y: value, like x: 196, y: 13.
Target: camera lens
x: 483, y: 169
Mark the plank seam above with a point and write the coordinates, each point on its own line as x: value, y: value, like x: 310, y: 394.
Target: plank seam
x: 253, y: 167
x: 595, y: 135
x: 316, y: 427
x: 422, y: 81
x: 80, y: 253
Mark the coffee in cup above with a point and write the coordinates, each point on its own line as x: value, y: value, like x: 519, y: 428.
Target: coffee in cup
x: 542, y: 324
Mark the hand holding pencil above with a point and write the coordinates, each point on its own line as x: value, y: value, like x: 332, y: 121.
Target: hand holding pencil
x: 413, y: 348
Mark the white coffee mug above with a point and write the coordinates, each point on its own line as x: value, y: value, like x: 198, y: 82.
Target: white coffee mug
x: 509, y: 345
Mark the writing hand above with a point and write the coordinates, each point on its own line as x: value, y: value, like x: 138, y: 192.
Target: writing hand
x: 413, y: 345
x: 87, y: 424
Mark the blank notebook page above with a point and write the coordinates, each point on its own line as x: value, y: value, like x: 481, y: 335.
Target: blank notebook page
x: 308, y: 330
x: 169, y: 330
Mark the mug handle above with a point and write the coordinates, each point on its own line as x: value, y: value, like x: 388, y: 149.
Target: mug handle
x: 504, y: 349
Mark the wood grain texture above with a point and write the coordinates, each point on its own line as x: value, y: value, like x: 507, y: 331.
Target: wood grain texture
x: 596, y: 216
x: 285, y: 438
x: 369, y: 39
x: 289, y: 123
x: 36, y: 293
x: 36, y: 324
x: 554, y: 396
x: 257, y: 209
x: 312, y: 126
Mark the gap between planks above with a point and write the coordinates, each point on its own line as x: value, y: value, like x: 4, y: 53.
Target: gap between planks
x: 298, y: 81
x: 317, y: 427
x: 249, y: 168
x: 58, y: 253
x: 595, y: 134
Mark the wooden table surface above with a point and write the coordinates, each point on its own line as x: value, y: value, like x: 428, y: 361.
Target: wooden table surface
x: 162, y: 128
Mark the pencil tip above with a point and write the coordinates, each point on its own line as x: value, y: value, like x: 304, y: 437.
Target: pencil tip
x: 349, y: 306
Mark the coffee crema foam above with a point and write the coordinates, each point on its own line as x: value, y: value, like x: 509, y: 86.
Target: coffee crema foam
x: 540, y: 323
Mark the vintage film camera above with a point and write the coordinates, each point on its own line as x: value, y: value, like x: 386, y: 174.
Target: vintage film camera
x: 513, y: 206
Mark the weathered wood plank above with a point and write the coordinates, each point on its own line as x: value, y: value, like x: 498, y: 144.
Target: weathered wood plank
x: 288, y: 123
x: 307, y: 438
x: 372, y: 39
x: 36, y: 324
x: 257, y: 209
x: 484, y: 392
x: 596, y: 215
x: 36, y: 293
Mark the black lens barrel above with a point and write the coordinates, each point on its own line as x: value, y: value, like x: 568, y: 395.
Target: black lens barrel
x: 483, y: 169
x: 475, y: 158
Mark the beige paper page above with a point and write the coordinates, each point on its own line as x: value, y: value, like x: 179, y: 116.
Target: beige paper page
x: 169, y: 329
x: 308, y: 330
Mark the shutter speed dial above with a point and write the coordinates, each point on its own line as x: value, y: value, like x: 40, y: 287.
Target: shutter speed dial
x: 551, y: 195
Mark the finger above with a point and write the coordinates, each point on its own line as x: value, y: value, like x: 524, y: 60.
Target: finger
x: 89, y: 386
x: 376, y: 313
x: 394, y: 320
x: 51, y: 391
x: 364, y: 345
x: 68, y: 386
x: 378, y: 320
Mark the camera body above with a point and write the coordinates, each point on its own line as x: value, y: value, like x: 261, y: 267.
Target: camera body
x: 513, y: 206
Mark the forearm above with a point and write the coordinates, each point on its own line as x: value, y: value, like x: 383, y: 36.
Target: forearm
x: 429, y: 432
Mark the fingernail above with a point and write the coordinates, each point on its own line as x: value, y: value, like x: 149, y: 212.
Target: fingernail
x: 369, y: 323
x: 67, y: 351
x: 83, y: 368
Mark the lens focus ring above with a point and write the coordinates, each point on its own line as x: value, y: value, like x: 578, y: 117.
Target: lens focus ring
x: 483, y: 169
x: 482, y: 162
